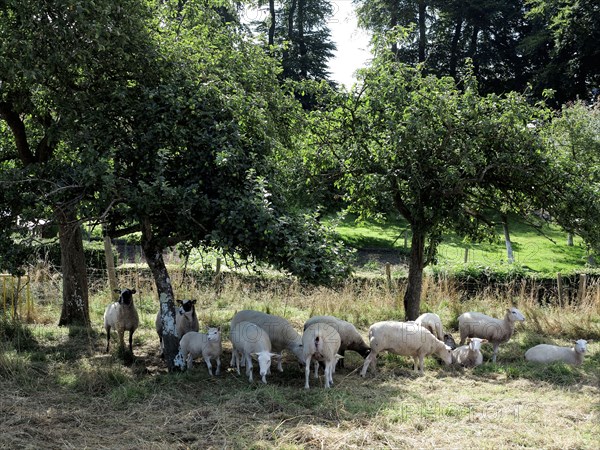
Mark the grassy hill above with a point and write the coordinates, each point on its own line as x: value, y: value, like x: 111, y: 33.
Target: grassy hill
x: 538, y: 252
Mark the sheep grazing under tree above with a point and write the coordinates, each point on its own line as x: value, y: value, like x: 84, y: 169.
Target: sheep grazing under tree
x: 469, y: 355
x: 406, y: 339
x: 121, y: 316
x: 545, y: 353
x: 281, y: 333
x: 186, y: 320
x: 349, y: 335
x: 249, y: 340
x: 496, y: 331
x: 194, y: 344
x: 321, y: 342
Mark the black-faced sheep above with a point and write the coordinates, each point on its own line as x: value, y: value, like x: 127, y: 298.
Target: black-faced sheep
x: 122, y: 316
x: 185, y: 320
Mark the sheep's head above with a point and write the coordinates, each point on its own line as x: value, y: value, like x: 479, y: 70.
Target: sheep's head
x: 581, y: 346
x: 475, y: 343
x: 445, y: 353
x: 449, y: 341
x: 125, y: 296
x: 514, y: 315
x: 214, y: 334
x: 186, y: 305
x: 264, y: 363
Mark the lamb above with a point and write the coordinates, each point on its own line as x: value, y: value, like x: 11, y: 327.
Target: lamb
x: 546, y: 354
x: 194, y: 344
x: 249, y: 340
x: 433, y: 323
x: 122, y: 316
x: 185, y: 320
x: 406, y: 339
x: 496, y: 331
x: 321, y: 342
x: 469, y: 355
x: 350, y: 338
x: 281, y: 333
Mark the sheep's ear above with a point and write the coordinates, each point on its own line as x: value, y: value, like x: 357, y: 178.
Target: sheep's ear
x: 117, y: 290
x: 132, y: 291
x: 448, y: 348
x: 193, y: 302
x: 275, y: 355
x: 337, y: 357
x: 484, y: 341
x: 179, y: 302
x: 254, y: 355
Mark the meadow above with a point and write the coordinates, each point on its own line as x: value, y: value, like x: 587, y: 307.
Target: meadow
x: 61, y: 390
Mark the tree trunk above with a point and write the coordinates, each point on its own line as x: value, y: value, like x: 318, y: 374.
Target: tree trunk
x: 75, y: 308
x: 454, y: 45
x: 154, y: 257
x: 393, y: 24
x: 509, y: 251
x: 422, y: 30
x: 272, y: 22
x: 412, y: 297
x: 570, y: 239
x: 301, y: 40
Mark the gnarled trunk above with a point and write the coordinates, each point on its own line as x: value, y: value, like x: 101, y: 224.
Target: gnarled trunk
x: 153, y: 253
x: 412, y: 297
x: 75, y: 308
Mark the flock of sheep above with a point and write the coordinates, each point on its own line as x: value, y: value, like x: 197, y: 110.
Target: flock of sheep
x: 263, y: 337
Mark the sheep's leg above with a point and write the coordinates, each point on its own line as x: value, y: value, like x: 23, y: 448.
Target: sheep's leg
x: 190, y: 360
x: 279, y: 366
x: 131, y: 341
x: 107, y: 338
x: 329, y: 365
x: 415, y: 363
x: 218, y: 372
x: 316, y: 369
x: 421, y: 358
x: 340, y: 361
x: 232, y: 363
x: 237, y: 360
x: 307, y: 372
x: 369, y: 360
x: 495, y: 353
x: 248, y: 359
x: 209, y: 365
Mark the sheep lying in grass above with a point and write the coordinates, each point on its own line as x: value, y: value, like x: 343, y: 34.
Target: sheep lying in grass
x: 194, y: 344
x: 350, y: 337
x: 546, y: 354
x: 249, y: 340
x: 496, y: 331
x: 122, y: 316
x: 281, y: 333
x: 185, y: 320
x: 469, y: 355
x: 321, y: 342
x: 406, y: 339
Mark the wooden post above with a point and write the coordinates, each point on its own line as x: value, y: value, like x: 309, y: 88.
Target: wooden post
x: 110, y: 266
x: 559, y: 282
x: 582, y: 287
x: 388, y: 275
x: 466, y: 255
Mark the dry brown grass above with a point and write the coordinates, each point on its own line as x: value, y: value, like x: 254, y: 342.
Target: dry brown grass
x: 60, y: 390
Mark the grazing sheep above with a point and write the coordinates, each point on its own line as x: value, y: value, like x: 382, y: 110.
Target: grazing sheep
x: 321, y: 342
x: 249, y: 340
x: 350, y: 337
x: 185, y: 320
x: 406, y: 339
x: 546, y: 354
x: 194, y: 344
x: 449, y: 341
x: 496, y: 331
x: 282, y: 334
x: 469, y: 355
x: 122, y: 316
x: 433, y: 323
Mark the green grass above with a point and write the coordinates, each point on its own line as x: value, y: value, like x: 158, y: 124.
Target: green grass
x: 546, y: 252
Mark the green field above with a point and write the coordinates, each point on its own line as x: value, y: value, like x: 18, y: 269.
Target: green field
x: 545, y: 250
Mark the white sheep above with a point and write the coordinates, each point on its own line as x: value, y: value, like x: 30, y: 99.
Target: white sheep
x: 321, y: 342
x: 350, y: 337
x: 406, y: 339
x: 544, y: 353
x: 185, y: 320
x: 282, y: 334
x: 433, y: 323
x: 496, y: 331
x: 122, y: 316
x: 249, y: 340
x: 469, y: 355
x: 194, y: 344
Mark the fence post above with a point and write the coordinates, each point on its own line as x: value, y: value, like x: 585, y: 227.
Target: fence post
x: 559, y: 282
x: 466, y: 255
x: 388, y: 275
x: 217, y: 277
x: 582, y: 287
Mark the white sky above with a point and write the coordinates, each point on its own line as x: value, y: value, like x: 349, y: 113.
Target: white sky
x: 352, y: 44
